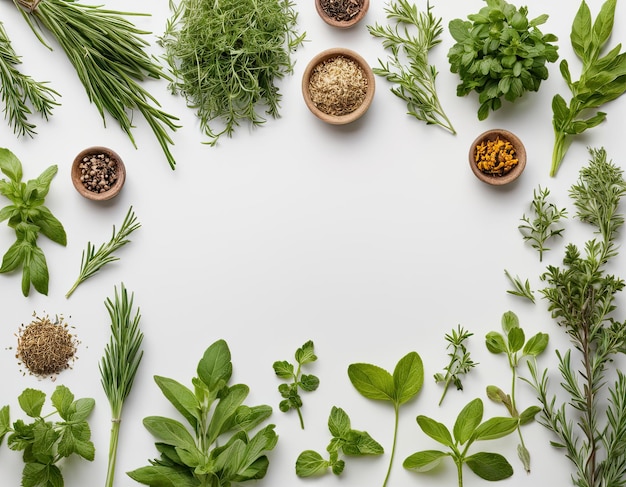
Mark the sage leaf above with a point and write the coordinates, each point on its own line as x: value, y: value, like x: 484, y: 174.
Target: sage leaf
x: 436, y: 430
x: 181, y: 397
x: 495, y: 428
x: 169, y: 431
x: 467, y: 421
x: 489, y: 466
x: 423, y: 461
x: 215, y: 368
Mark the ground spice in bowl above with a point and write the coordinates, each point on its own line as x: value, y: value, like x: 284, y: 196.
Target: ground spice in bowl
x: 46, y: 347
x: 338, y: 86
x: 496, y: 157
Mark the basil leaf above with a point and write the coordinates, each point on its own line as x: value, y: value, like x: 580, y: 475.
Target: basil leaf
x: 580, y: 35
x: 10, y: 165
x: 50, y: 226
x: 423, y: 461
x: 489, y: 466
x: 227, y: 406
x: 163, y: 476
x: 181, y: 398
x: 603, y: 25
x: 436, y: 430
x: 408, y: 377
x: 495, y: 428
x: 169, y: 431
x: 215, y: 367
x: 372, y: 381
x: 468, y: 420
x: 516, y: 339
x: 536, y: 344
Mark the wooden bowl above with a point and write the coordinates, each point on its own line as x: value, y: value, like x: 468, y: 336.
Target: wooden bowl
x: 519, y: 153
x: 106, y: 166
x: 342, y: 24
x: 316, y: 108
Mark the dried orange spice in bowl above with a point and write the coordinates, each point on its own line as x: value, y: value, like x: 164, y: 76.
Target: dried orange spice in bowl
x: 497, y: 157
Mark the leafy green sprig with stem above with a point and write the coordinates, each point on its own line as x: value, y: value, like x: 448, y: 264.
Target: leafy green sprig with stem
x: 602, y: 79
x: 588, y: 416
x: 109, y: 57
x: 29, y: 217
x: 460, y: 361
x: 119, y: 365
x: 94, y: 259
x: 541, y: 227
x: 468, y: 428
x: 512, y: 342
x: 45, y: 442
x: 226, y: 57
x: 20, y: 93
x: 374, y: 382
x: 521, y: 289
x: 344, y: 440
x: 306, y: 382
x: 407, y: 68
x: 220, y: 445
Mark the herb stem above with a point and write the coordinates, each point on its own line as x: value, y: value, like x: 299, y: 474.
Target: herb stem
x: 396, y: 409
x: 113, y: 442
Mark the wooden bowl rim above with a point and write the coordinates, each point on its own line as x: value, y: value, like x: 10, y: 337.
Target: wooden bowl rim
x: 80, y: 187
x: 369, y: 96
x: 342, y: 24
x: 512, y: 175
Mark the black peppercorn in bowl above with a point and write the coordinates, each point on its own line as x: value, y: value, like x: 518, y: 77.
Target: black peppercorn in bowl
x: 98, y: 173
x: 338, y: 86
x: 342, y: 13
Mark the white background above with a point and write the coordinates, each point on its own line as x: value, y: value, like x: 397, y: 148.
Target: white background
x: 373, y: 240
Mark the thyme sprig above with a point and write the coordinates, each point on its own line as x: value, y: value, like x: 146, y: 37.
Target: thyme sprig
x: 119, y: 364
x: 521, y: 289
x: 409, y: 40
x: 460, y: 361
x: 108, y: 54
x: 93, y: 260
x: 581, y: 296
x: 20, y: 92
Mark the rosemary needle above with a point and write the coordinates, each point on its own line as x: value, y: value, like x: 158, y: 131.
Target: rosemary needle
x: 93, y: 260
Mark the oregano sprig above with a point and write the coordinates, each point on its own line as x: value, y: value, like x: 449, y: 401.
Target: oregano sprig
x: 299, y: 381
x: 460, y: 361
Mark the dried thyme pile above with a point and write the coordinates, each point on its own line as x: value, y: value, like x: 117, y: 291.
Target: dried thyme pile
x: 46, y: 347
x: 342, y: 10
x: 338, y: 86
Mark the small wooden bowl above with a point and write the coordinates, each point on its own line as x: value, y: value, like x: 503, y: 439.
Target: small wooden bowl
x: 323, y: 57
x: 514, y: 173
x: 115, y: 187
x: 342, y: 24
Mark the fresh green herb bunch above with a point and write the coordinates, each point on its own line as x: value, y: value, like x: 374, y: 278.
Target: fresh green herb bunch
x: 460, y: 361
x: 226, y: 57
x: 44, y: 442
x: 514, y: 345
x: 21, y: 93
x: 344, y: 440
x: 410, y: 40
x: 307, y: 382
x: 108, y: 54
x: 588, y: 416
x: 218, y: 448
x: 602, y: 79
x: 374, y: 382
x: 500, y: 54
x: 28, y: 216
x: 543, y: 226
x: 468, y: 428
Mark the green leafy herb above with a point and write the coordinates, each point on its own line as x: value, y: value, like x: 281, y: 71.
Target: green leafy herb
x: 226, y: 57
x: 376, y: 383
x: 590, y: 423
x: 514, y: 345
x: 307, y: 382
x: 45, y: 442
x: 107, y: 52
x: 460, y: 361
x: 500, y: 54
x: 468, y: 428
x: 119, y: 365
x: 218, y: 447
x: 413, y: 36
x: 602, y: 78
x: 541, y: 227
x: 344, y: 440
x: 28, y: 216
x: 21, y: 93
x: 93, y: 260
x: 520, y: 289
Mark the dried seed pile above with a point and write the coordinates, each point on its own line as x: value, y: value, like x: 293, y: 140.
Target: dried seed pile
x: 341, y: 10
x: 98, y: 172
x: 338, y: 86
x: 46, y: 348
x: 496, y: 157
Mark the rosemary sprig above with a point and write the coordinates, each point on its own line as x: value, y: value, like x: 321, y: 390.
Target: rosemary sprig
x: 93, y: 260
x: 119, y: 364
x: 542, y: 227
x: 107, y: 52
x: 581, y: 296
x: 20, y: 92
x: 460, y: 361
x: 407, y: 67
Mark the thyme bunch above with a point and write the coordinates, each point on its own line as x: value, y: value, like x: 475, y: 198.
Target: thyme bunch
x: 460, y: 361
x: 590, y: 425
x: 409, y: 41
x: 107, y: 52
x: 226, y: 57
x: 20, y: 92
